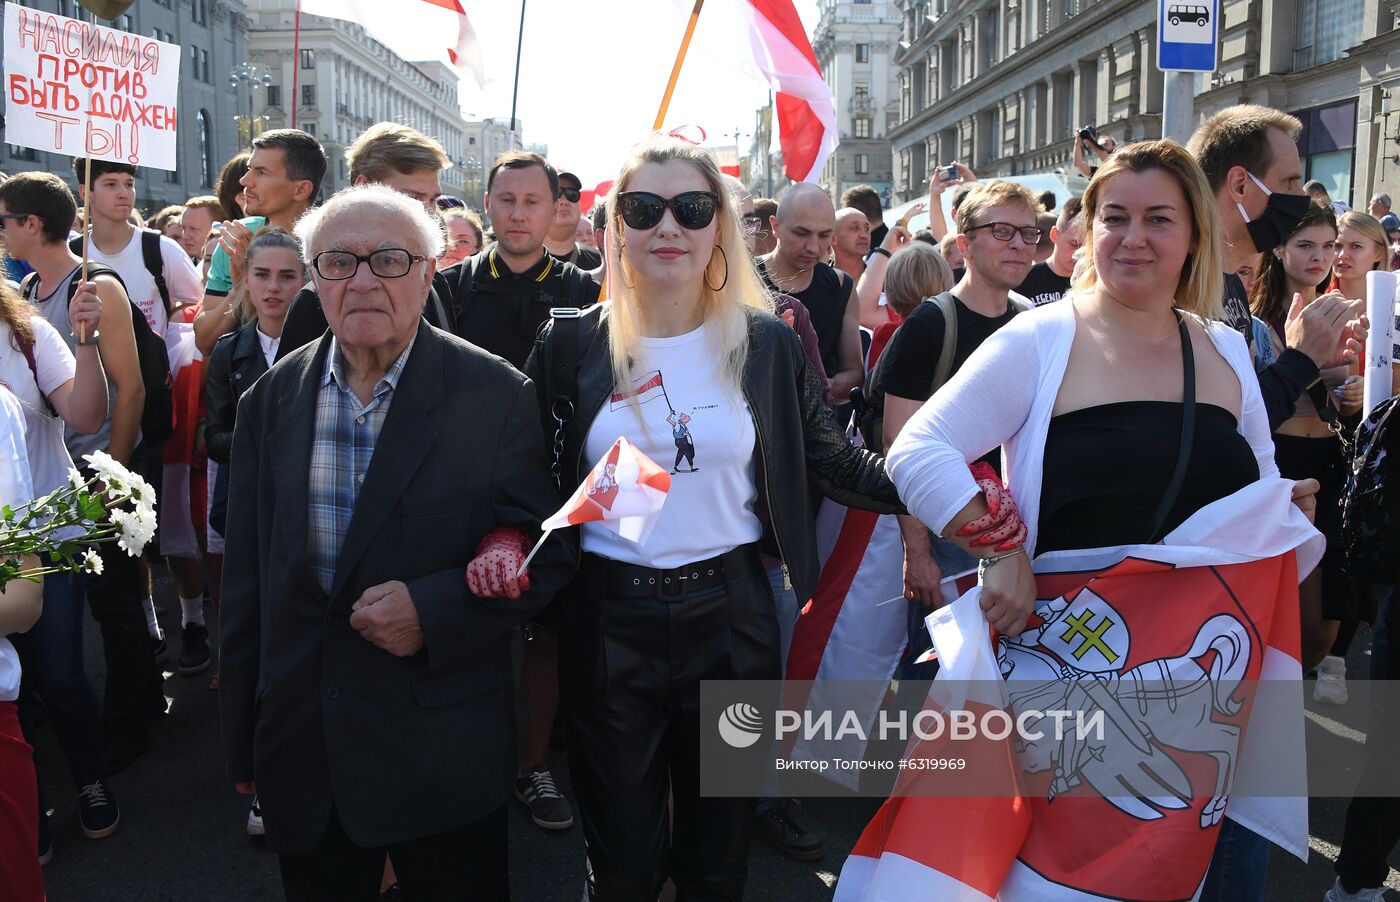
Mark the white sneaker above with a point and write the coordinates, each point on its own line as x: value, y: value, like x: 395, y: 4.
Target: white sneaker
x: 255, y: 821
x: 1331, y: 685
x: 1337, y: 894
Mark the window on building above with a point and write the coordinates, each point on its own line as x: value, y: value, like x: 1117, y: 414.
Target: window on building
x: 862, y: 90
x: 308, y: 59
x: 1325, y: 29
x: 862, y: 164
x: 862, y: 127
x: 1327, y: 145
x: 199, y: 12
x: 204, y: 66
x: 206, y: 150
x: 172, y: 176
x: 274, y: 95
x: 308, y: 95
x: 309, y: 128
x: 471, y: 139
x: 123, y: 22
x: 862, y: 53
x: 22, y: 153
x: 72, y: 9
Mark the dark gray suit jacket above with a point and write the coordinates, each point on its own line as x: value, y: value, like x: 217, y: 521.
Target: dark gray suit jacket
x: 316, y: 714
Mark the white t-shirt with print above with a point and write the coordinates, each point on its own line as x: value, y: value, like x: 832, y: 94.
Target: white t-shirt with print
x: 48, y: 456
x: 15, y: 489
x: 700, y: 431
x: 181, y: 278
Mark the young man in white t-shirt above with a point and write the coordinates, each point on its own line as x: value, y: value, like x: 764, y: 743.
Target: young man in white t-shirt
x: 115, y: 242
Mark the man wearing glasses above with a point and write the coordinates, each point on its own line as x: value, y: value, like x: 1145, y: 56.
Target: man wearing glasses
x: 997, y: 235
x: 562, y: 239
x: 366, y: 692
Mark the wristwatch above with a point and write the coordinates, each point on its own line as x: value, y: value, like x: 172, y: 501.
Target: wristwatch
x: 92, y: 339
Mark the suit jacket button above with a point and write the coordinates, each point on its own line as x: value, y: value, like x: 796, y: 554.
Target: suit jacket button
x: 332, y: 693
x: 333, y: 619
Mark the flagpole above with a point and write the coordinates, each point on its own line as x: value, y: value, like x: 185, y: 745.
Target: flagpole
x: 533, y: 551
x: 296, y: 69
x: 515, y: 92
x: 680, y: 59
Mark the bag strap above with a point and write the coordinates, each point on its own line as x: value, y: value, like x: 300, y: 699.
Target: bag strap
x: 562, y: 373
x: 27, y: 349
x: 943, y: 371
x: 1188, y: 432
x: 155, y: 264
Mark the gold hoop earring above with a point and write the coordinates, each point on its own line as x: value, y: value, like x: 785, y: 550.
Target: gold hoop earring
x: 725, y: 258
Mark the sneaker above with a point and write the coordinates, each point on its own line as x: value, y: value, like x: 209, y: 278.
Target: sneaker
x: 778, y: 826
x: 548, y: 807
x: 45, y: 841
x: 255, y: 821
x: 194, y: 649
x: 1331, y: 685
x: 1337, y: 894
x: 97, y: 810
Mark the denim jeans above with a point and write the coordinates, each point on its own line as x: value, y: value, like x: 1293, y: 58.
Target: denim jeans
x: 1239, y: 869
x: 785, y: 603
x: 51, y: 657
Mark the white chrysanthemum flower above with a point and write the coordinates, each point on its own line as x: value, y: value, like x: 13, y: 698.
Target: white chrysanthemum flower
x: 75, y: 479
x: 110, y: 473
x: 92, y: 563
x: 126, y: 523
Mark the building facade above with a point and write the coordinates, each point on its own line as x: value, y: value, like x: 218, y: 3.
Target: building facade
x: 486, y: 139
x: 211, y: 35
x: 341, y: 81
x: 1004, y: 85
x: 855, y: 43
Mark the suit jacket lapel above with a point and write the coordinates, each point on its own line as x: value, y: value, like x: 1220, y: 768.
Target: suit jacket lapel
x: 404, y: 442
x: 289, y: 448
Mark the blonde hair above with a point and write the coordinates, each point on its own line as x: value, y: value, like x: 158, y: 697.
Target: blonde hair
x: 731, y: 283
x: 985, y: 195
x: 1370, y: 227
x: 1198, y: 288
x: 914, y: 273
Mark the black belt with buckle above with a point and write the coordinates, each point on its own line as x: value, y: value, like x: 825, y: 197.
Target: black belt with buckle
x: 620, y: 580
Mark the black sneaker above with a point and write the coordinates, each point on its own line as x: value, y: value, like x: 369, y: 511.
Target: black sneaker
x: 97, y: 810
x: 45, y: 841
x: 194, y: 649
x: 255, y: 821
x: 548, y: 807
x: 779, y: 827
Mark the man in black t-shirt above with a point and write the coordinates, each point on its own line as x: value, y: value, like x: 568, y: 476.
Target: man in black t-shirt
x: 805, y: 224
x: 562, y: 239
x: 997, y: 234
x: 1048, y: 281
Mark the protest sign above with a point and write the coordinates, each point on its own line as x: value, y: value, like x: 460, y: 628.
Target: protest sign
x: 82, y: 89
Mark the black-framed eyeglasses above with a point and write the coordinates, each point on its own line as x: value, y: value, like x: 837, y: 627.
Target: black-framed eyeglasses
x: 1005, y: 231
x: 643, y: 210
x: 570, y: 194
x: 448, y: 202
x: 387, y: 263
x: 18, y: 216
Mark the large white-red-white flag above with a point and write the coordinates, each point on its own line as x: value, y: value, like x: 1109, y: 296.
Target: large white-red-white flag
x: 429, y: 19
x: 1212, y: 607
x: 625, y: 492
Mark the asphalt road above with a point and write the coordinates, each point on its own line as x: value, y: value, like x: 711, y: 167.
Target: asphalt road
x: 182, y: 831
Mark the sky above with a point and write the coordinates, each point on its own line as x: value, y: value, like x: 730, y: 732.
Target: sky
x: 593, y: 73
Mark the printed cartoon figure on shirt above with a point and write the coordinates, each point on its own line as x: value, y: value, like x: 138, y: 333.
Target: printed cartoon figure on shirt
x: 685, y: 445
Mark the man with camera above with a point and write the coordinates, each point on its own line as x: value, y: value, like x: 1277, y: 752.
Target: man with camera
x: 1102, y: 147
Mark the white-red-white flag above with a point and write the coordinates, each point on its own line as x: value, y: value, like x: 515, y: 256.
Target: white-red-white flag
x: 625, y: 492
x: 430, y: 20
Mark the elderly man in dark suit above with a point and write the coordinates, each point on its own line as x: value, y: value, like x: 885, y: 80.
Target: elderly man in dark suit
x: 366, y: 692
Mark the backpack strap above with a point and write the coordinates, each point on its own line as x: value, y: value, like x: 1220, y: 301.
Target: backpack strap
x: 947, y: 305
x: 27, y: 349
x: 155, y: 264
x: 29, y: 286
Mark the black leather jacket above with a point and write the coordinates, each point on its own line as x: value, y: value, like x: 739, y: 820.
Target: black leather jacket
x: 234, y: 365
x: 800, y: 445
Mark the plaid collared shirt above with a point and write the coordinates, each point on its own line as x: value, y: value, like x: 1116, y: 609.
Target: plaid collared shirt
x: 341, y: 449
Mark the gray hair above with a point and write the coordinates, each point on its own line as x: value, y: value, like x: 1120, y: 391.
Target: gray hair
x: 1382, y: 199
x: 373, y: 201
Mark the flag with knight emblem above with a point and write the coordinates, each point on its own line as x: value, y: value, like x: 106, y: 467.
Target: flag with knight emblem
x: 1164, y: 641
x: 625, y: 492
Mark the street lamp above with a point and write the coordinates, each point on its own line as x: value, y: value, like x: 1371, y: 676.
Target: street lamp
x: 254, y: 77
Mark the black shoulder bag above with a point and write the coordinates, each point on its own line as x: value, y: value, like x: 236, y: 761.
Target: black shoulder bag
x: 1188, y: 433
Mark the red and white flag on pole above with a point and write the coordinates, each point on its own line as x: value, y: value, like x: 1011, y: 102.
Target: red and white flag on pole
x: 625, y: 492
x: 424, y: 22
x: 805, y: 109
x: 1214, y: 606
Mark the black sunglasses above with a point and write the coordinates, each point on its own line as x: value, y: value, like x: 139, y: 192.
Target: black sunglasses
x: 448, y: 202
x: 19, y: 216
x: 643, y: 210
x: 570, y: 194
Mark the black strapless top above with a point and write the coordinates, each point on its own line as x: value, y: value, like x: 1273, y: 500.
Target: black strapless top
x: 1107, y: 467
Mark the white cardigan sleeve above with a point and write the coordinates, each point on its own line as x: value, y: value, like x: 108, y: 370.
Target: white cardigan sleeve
x: 985, y: 403
x: 1254, y: 419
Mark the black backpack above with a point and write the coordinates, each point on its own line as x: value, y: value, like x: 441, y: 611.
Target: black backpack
x: 1370, y: 535
x: 158, y: 412
x: 150, y: 256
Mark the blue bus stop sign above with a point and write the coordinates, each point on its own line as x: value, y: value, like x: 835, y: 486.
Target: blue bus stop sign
x: 1186, y: 35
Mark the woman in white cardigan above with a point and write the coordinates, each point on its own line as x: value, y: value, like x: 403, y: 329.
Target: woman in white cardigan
x: 1086, y: 395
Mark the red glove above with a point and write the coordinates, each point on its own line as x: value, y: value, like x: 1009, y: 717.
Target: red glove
x: 1002, y: 526
x: 491, y: 574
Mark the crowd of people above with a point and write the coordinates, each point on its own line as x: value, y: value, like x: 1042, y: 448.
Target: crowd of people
x: 358, y: 409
